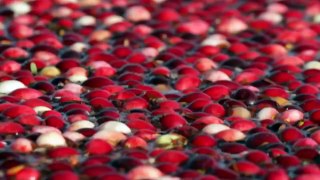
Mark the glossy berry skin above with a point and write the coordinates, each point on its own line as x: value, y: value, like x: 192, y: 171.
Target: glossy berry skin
x: 155, y: 89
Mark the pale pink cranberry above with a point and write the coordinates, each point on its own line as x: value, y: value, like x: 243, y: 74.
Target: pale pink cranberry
x: 240, y: 112
x: 51, y: 139
x: 25, y: 19
x: 277, y: 7
x: 86, y: 21
x: 214, y: 128
x: 272, y: 17
x: 86, y: 3
x: 77, y: 74
x: 215, y: 75
x: 312, y: 65
x: 313, y: 10
x: 80, y: 125
x: 46, y: 57
x: 137, y: 13
x: 231, y: 135
x: 99, y: 36
x: 111, y: 18
x: 251, y: 88
x: 22, y: 145
x: 216, y: 40
x: 44, y: 129
x: 98, y: 64
x: 196, y: 27
x: 205, y: 64
x: 150, y: 52
x: 142, y: 30
x: 112, y: 137
x: 19, y: 7
x: 145, y: 172
x: 232, y: 25
x: 73, y: 136
x: 291, y: 115
x: 79, y: 47
x: 267, y: 113
x: 73, y: 87
x: 115, y: 126
x: 6, y: 87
